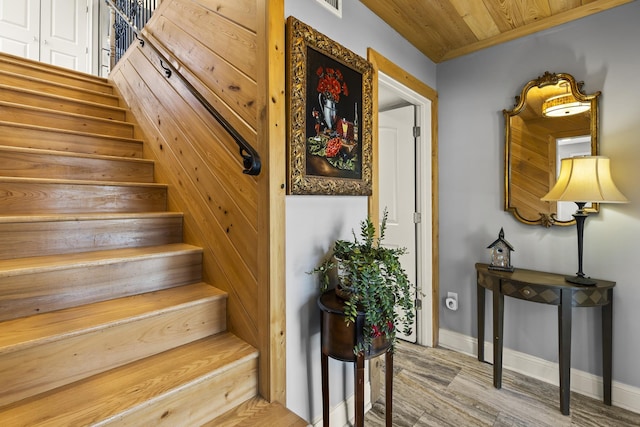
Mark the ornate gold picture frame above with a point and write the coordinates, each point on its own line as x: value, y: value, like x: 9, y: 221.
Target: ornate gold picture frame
x: 330, y: 109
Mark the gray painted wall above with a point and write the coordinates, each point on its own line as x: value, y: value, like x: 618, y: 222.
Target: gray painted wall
x: 602, y: 50
x: 315, y: 222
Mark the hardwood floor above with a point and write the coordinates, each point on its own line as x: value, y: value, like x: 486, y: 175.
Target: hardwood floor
x: 439, y: 387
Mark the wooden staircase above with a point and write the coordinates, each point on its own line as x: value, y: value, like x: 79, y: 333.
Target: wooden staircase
x: 104, y: 316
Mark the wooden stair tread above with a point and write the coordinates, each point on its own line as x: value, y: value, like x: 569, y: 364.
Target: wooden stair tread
x: 73, y: 154
x: 46, y: 327
x: 26, y: 196
x: 258, y: 412
x: 79, y: 90
x: 51, y: 68
x: 40, y: 163
x: 53, y: 74
x: 70, y: 133
x: 116, y: 393
x: 41, y: 110
x: 12, y: 267
x: 61, y: 98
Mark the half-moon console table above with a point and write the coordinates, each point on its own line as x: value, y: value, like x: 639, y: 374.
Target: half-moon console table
x: 546, y: 288
x: 337, y: 341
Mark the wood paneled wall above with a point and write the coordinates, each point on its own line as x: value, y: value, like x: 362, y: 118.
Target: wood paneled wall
x: 232, y: 52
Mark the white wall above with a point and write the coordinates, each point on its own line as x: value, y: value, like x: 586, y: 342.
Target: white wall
x: 315, y: 222
x: 603, y: 51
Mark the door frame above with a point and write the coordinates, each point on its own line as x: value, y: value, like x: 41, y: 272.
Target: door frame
x: 393, y: 75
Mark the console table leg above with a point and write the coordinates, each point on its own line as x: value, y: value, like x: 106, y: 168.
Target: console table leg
x: 359, y: 422
x: 388, y: 385
x: 498, y: 316
x: 480, y: 294
x: 607, y: 347
x: 564, y: 335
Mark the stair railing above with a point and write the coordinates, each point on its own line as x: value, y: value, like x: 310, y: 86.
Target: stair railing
x: 250, y: 157
x: 129, y: 16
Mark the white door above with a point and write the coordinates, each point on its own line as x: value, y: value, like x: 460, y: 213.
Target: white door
x: 20, y: 28
x: 51, y: 31
x: 397, y: 161
x: 65, y: 34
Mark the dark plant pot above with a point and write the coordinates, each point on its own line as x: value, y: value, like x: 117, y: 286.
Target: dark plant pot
x: 338, y: 338
x: 343, y: 292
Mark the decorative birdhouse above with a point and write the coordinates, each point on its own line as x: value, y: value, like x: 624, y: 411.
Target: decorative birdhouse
x: 501, y: 253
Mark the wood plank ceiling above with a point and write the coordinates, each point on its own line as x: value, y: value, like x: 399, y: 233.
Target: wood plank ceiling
x: 446, y: 29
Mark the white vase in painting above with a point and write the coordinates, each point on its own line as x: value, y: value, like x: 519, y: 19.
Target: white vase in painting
x: 329, y: 110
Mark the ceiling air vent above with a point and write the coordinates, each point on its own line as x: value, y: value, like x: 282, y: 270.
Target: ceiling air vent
x: 334, y: 6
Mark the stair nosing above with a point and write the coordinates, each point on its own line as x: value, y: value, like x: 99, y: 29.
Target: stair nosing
x: 82, y: 182
x: 84, y: 216
x: 77, y: 326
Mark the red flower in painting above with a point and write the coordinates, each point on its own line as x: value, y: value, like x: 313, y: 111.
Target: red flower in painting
x: 333, y: 147
x: 331, y: 83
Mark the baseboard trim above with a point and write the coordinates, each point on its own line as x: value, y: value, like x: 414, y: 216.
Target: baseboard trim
x: 622, y: 395
x: 343, y: 414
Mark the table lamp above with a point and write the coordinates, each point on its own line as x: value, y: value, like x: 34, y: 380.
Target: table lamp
x: 582, y: 180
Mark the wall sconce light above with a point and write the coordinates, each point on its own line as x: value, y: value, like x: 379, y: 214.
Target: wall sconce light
x: 582, y: 180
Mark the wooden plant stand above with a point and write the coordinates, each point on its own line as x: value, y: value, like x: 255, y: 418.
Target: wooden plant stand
x: 337, y: 341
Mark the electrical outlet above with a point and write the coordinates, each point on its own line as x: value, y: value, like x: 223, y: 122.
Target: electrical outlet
x: 451, y: 302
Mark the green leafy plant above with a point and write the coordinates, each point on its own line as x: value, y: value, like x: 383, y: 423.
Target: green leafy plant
x: 373, y: 282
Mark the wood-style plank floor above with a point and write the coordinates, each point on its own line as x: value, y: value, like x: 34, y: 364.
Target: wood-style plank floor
x: 439, y: 387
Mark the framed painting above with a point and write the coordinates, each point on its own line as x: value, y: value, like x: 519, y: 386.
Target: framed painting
x: 330, y: 109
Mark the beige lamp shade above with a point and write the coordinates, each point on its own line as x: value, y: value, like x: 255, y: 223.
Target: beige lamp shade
x: 585, y: 179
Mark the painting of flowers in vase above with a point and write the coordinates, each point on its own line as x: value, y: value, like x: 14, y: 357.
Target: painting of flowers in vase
x: 330, y: 132
x: 333, y: 131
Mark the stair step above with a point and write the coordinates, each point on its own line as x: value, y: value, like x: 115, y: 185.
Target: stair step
x: 54, y: 74
x: 44, y: 235
x: 34, y: 196
x: 32, y: 136
x: 186, y: 386
x: 38, y: 285
x: 60, y: 103
x: 40, y: 85
x: 45, y: 351
x: 36, y: 163
x: 18, y: 113
x: 257, y: 412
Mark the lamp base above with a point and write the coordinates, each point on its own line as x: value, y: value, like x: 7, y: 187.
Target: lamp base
x: 580, y: 280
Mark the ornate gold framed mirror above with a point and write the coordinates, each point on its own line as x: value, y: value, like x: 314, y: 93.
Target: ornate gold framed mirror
x: 552, y: 119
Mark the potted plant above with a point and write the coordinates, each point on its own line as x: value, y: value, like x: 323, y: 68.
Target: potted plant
x: 371, y: 280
